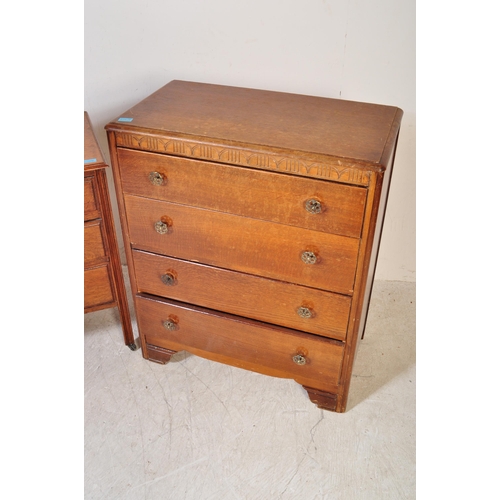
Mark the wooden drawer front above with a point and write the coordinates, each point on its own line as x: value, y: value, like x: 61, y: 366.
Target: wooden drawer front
x: 243, y: 343
x: 98, y: 290
x: 242, y: 244
x: 243, y: 294
x: 94, y: 250
x: 90, y: 198
x: 243, y: 191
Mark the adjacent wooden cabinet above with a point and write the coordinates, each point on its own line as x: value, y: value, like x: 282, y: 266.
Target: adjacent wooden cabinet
x: 103, y: 278
x: 251, y: 222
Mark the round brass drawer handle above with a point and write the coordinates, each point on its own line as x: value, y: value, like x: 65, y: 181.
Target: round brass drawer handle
x: 168, y: 279
x: 309, y: 257
x: 298, y: 359
x: 170, y: 325
x: 156, y: 178
x: 313, y: 206
x: 161, y: 227
x: 304, y: 312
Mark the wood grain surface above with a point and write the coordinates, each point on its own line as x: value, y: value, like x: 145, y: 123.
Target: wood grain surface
x: 298, y: 123
x: 244, y: 191
x: 98, y: 291
x: 243, y: 244
x: 243, y: 294
x: 241, y: 342
x: 94, y: 250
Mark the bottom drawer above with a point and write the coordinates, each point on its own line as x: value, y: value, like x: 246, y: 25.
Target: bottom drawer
x: 98, y: 291
x: 311, y: 361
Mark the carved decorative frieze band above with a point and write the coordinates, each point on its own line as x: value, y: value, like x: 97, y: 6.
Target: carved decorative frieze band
x: 342, y: 172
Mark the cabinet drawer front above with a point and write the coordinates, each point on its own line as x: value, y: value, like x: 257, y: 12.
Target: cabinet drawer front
x: 98, y: 290
x: 332, y: 208
x: 242, y: 244
x: 94, y: 250
x: 292, y: 306
x: 90, y: 198
x: 244, y: 343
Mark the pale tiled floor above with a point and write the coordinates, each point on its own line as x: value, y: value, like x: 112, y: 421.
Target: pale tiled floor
x: 195, y: 429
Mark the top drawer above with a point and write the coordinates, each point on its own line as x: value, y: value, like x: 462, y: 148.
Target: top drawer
x: 90, y: 198
x: 296, y: 201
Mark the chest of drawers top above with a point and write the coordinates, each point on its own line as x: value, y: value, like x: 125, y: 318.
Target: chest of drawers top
x: 92, y: 152
x: 325, y: 138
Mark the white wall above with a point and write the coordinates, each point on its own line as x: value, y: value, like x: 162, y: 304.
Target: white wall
x: 353, y: 49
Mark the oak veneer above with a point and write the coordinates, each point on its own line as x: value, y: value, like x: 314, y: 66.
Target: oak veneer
x: 244, y: 244
x: 280, y: 198
x: 259, y: 347
x: 251, y: 223
x: 243, y: 294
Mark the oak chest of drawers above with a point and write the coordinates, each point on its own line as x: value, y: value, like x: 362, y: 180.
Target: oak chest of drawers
x: 103, y: 279
x: 251, y: 223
